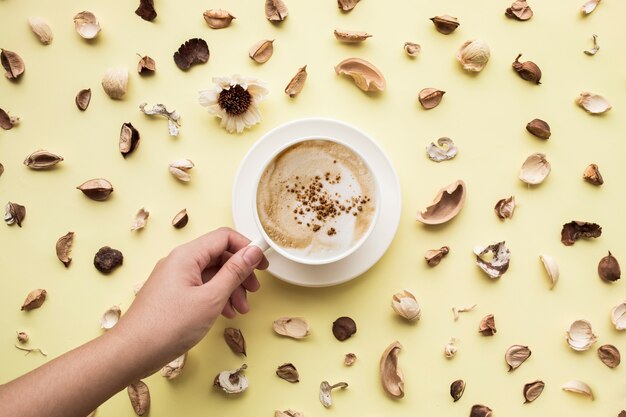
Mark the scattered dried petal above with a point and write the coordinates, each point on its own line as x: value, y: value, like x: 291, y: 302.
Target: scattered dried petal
x: 261, y: 51
x: 115, y: 82
x: 592, y: 175
x: 609, y: 355
x: 351, y: 36
x: 129, y: 139
x: 235, y: 340
x: 575, y: 230
x: 457, y: 388
x: 533, y: 390
x: 173, y: 118
x: 275, y: 10
x: 139, y: 396
x: 14, y: 214
x: 349, y: 359
x: 580, y: 335
x: 479, y: 410
x: 146, y: 10
x: 391, y: 376
x: 347, y: 5
x: 174, y: 368
x: 527, y: 70
x: 7, y: 121
x: 294, y: 327
x: 445, y: 206
x: 12, y: 63
x: 110, y: 317
x: 141, y: 218
x: 146, y: 65
x: 505, y: 208
x: 365, y: 75
x: 589, y: 6
x: 519, y: 10
x: 487, y: 325
x: 181, y: 219
x: 445, y: 24
x: 539, y: 128
x: 434, y: 256
x: 41, y: 29
x: 64, y: 248
x: 180, y: 169
x: 618, y: 316
x: 218, y: 18
x: 609, y: 269
x: 443, y: 150
x: 430, y: 98
x: 107, y: 259
x: 22, y: 337
x: 578, y: 387
x: 595, y: 48
x: 343, y: 328
x: 29, y: 350
x: 325, y: 392
x: 83, y: 98
x: 449, y: 350
x: 34, y: 299
x: 498, y: 263
x: 42, y: 159
x: 412, y: 49
x: 288, y: 372
x: 232, y: 382
x: 405, y: 304
x: 97, y: 189
x: 593, y: 103
x: 535, y: 169
x: 516, y: 355
x: 87, y: 25
x: 457, y: 310
x: 297, y: 83
x: 473, y: 55
x: 194, y: 51
x: 551, y: 268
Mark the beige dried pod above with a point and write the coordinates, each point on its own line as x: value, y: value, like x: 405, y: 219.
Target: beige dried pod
x: 181, y: 219
x: 64, y: 248
x: 34, y: 299
x: 97, y: 189
x: 551, y: 267
x: 351, y: 36
x: 87, y: 25
x: 519, y: 10
x: 589, y: 7
x: 349, y: 359
x: 516, y: 355
x: 473, y: 55
x: 592, y: 175
x: 533, y: 390
x: 580, y: 335
x: 347, y: 5
x: 535, y: 169
x: 487, y: 326
x: 297, y: 83
x: 326, y: 390
x: 505, y: 208
x: 405, y: 304
x: 445, y: 206
x: 115, y: 82
x: 434, y: 256
x: 578, y: 387
x: 364, y: 74
x: 232, y: 382
x: 141, y: 218
x: 593, y: 103
x: 174, y: 368
x: 445, y: 24
x: 288, y: 413
x: 391, y: 376
x: 294, y: 327
x: 41, y: 29
x: 22, y: 337
x: 443, y: 150
x: 218, y: 18
x: 110, y: 317
x: 42, y: 159
x: 261, y: 51
x: 456, y: 310
x: 139, y: 396
x: 13, y: 65
x: 276, y: 10
x: 180, y: 169
x: 430, y: 98
x: 618, y: 316
x: 609, y: 355
x: 450, y: 349
x: 83, y: 98
x: 412, y: 49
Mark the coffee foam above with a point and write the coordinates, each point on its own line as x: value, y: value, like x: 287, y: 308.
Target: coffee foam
x: 338, y: 176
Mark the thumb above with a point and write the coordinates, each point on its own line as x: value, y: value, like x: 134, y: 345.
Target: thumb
x: 235, y: 271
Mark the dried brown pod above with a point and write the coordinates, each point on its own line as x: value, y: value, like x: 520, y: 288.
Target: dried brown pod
x: 288, y: 372
x: 535, y: 169
x: 294, y: 327
x: 391, y: 376
x: 7, y: 121
x: 194, y: 51
x: 218, y: 18
x: 83, y: 97
x: 34, y: 300
x: 445, y: 206
x: 575, y: 230
x: 474, y: 55
x: 276, y: 10
x: 434, y: 256
x: 592, y: 175
x: 479, y: 410
x: 14, y: 214
x: 589, y: 6
x: 181, y: 219
x: 343, y: 328
x: 349, y: 359
x: 412, y: 49
x: 174, y: 368
x: 347, y: 5
x: 180, y: 169
x: 527, y: 70
x: 539, y: 128
x: 146, y: 10
x: 232, y: 382
x: 445, y: 24
x: 129, y: 139
x: 533, y: 390
x: 578, y: 387
x: 457, y: 388
x: 580, y: 336
x: 107, y: 259
x: 593, y: 103
x: 608, y: 268
x: 64, y: 248
x: 622, y: 413
x: 97, y: 189
x: 505, y: 208
x: 351, y: 36
x: 609, y: 355
x: 1, y: 169
x: 364, y: 74
x: 326, y: 390
x: 141, y: 218
x: 595, y: 48
x: 86, y: 25
x: 42, y: 159
x: 115, y: 82
x: 519, y: 10
x: 516, y: 355
x: 430, y: 98
x: 22, y: 337
x: 139, y: 396
x: 297, y: 83
x: 41, y: 29
x: 443, y: 150
x: 12, y: 63
x: 235, y: 340
x: 487, y: 326
x: 146, y: 65
x: 261, y: 51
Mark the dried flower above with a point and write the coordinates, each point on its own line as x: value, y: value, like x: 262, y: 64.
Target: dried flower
x: 519, y: 10
x: 288, y: 413
x: 139, y: 396
x: 194, y: 51
x: 12, y: 63
x: 218, y: 18
x: 532, y: 391
x: 505, y: 207
x: 479, y: 410
x: 232, y: 382
x: 14, y: 214
x: 107, y: 259
x: 487, y: 325
x: 516, y: 355
x: 593, y: 103
x: 349, y: 359
x: 578, y: 387
x: 595, y: 48
x: 87, y: 25
x: 450, y: 349
x: 146, y: 65
x: 180, y: 220
x: 129, y: 139
x: 83, y: 98
x: 146, y: 10
x: 589, y: 6
x: 575, y: 230
x: 325, y: 392
x: 297, y: 83
x: 236, y: 101
x: 110, y: 317
x: 364, y: 74
x: 412, y: 49
x: 443, y: 150
x: 445, y: 206
x: 391, y: 376
x: 294, y: 327
x: 141, y: 218
x: 539, y: 128
x: 22, y: 337
x: 608, y: 268
x: 457, y: 388
x: 457, y: 310
x: 473, y: 55
x: 580, y: 335
x: 343, y: 328
x: 434, y: 256
x: 34, y: 299
x: 174, y: 368
x: 115, y: 82
x: 551, y: 268
x: 97, y: 189
x: 528, y: 70
x: 7, y: 121
x: 592, y: 175
x: 41, y: 29
x: 347, y: 5
x: 405, y: 304
x: 351, y: 36
x: 261, y: 51
x: 64, y: 248
x: 430, y: 98
x: 494, y: 259
x: 288, y: 372
x: 535, y: 169
x: 180, y: 169
x: 275, y: 10
x: 235, y: 340
x: 609, y: 355
x: 445, y: 24
x: 173, y: 118
x: 618, y: 316
x: 42, y: 159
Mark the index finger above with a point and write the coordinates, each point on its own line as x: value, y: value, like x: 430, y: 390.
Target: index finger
x: 207, y: 249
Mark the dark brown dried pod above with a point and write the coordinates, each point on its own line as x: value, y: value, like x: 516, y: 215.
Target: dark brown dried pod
x: 275, y: 10
x: 347, y: 5
x: 139, y: 396
x: 146, y: 10
x: 83, y: 98
x: 235, y: 340
x: 519, y: 10
x: 97, y: 189
x: 575, y: 230
x: 592, y: 175
x: 533, y: 390
x: 64, y: 248
x: 34, y: 299
x: 608, y: 268
x: 14, y: 213
x: 487, y: 326
x: 528, y: 70
x: 445, y: 24
x: 180, y: 220
x: 1, y: 169
x: 434, y: 256
x: 539, y: 128
x: 42, y: 159
x: 194, y: 51
x: 129, y: 139
x: 457, y: 388
x: 343, y: 328
x: 12, y: 63
x: 107, y: 259
x: 479, y: 410
x: 146, y: 65
x: 430, y: 98
x: 288, y: 372
x: 609, y: 355
x: 622, y: 413
x: 7, y: 121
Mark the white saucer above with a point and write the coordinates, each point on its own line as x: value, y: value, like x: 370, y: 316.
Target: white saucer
x: 390, y: 202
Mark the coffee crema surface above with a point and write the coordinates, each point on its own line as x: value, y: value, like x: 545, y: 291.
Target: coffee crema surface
x: 316, y: 199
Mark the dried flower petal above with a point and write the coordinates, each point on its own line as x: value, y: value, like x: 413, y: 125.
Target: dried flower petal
x: 146, y: 65
x: 449, y: 350
x: 618, y: 316
x: 479, y: 410
x: 430, y: 98
x: 516, y: 355
x: 519, y: 10
x: 349, y: 359
x: 351, y: 36
x: 181, y: 219
x: 527, y: 70
x: 457, y: 310
x: 97, y: 189
x: 64, y: 248
x: 595, y: 48
x: 539, y: 128
x: 575, y: 230
x: 218, y: 18
x: 115, y: 82
x: 83, y: 98
x: 275, y: 10
x: 14, y: 214
x: 325, y: 392
x: 146, y: 10
x: 141, y: 218
x: 110, y: 317
x: 180, y: 168
x: 405, y: 304
x: 412, y: 49
x: 592, y: 175
x: 457, y: 388
x: 445, y: 24
x: 364, y: 74
x: 609, y: 269
x: 194, y: 51
x: 487, y: 325
x: 445, y: 206
x: 593, y: 103
x: 444, y: 150
x: 107, y: 259
x: 589, y: 6
x: 578, y: 387
x: 139, y: 396
x: 173, y: 118
x: 473, y: 55
x: 174, y: 368
x: 609, y: 355
x: 505, y: 208
x: 297, y: 83
x: 34, y: 300
x: 434, y: 256
x: 347, y: 5
x: 498, y: 264
x: 261, y: 51
x: 288, y: 372
x: 551, y: 268
x: 391, y: 376
x: 12, y: 63
x: 7, y: 121
x: 535, y: 169
x: 533, y: 390
x: 235, y: 340
x: 86, y: 24
x: 42, y: 159
x: 41, y: 29
x: 343, y: 328
x: 294, y: 327
x: 580, y: 335
x: 232, y: 382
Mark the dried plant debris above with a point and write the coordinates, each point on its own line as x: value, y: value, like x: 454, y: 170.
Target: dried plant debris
x: 86, y: 25
x: 505, y: 208
x: 1, y: 169
x: 173, y: 118
x: 595, y: 48
x: 391, y: 376
x: 41, y: 29
x: 516, y: 355
x: 519, y: 10
x: 349, y: 359
x: 174, y: 368
x: 129, y: 139
x: 609, y: 355
x: 445, y: 24
x: 343, y: 328
x: 64, y: 248
x: 457, y: 310
x: 552, y: 269
x: 297, y: 83
x: 592, y: 175
x: 364, y: 74
x: 12, y: 63
x: 445, y: 206
x: 493, y: 259
x: 107, y: 259
x: 294, y: 327
x: 30, y: 350
x: 535, y: 169
x: 232, y: 382
x: 487, y: 326
x: 527, y: 70
x: 430, y: 98
x: 450, y: 349
x: 261, y: 51
x: 533, y: 390
x: 479, y: 410
x: 609, y: 269
x: 235, y: 340
x: 473, y: 55
x: 83, y: 98
x: 276, y: 10
x: 288, y: 372
x: 180, y: 169
x: 181, y: 219
x: 457, y: 388
x: 593, y: 103
x: 325, y: 392
x: 139, y: 396
x: 7, y: 121
x: 443, y: 150
x: 218, y: 18
x: 194, y: 51
x: 146, y: 10
x: 412, y: 49
x: 288, y: 413
x: 539, y: 128
x: 141, y: 219
x: 351, y: 36
x: 580, y: 335
x: 618, y: 316
x: 405, y: 304
x: 34, y: 300
x: 22, y: 337
x: 97, y: 189
x: 146, y: 65
x: 589, y: 7
x: 575, y: 230
x: 14, y: 214
x: 347, y: 5
x: 578, y: 387
x: 434, y: 256
x: 110, y: 317
x: 42, y: 159
x: 115, y: 82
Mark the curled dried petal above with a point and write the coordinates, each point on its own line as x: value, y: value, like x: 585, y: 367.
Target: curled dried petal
x: 146, y: 10
x: 349, y: 359
x: 64, y: 248
x: 457, y: 310
x: 288, y: 413
x: 487, y: 325
x: 294, y: 327
x: 87, y: 25
x: 276, y: 10
x: 592, y: 175
x: 325, y: 392
x: 14, y: 214
x: 34, y: 300
x: 445, y: 206
x: 412, y: 49
x: 443, y: 150
x: 288, y: 372
x: 347, y: 5
x: 535, y: 169
x: 519, y: 10
x: 527, y: 70
x: 578, y: 387
x: 498, y: 264
x: 430, y: 98
x: 575, y: 230
x: 580, y: 335
x: 262, y: 51
x: 235, y: 340
x: 434, y: 256
x: 593, y: 103
x: 7, y: 121
x: 391, y: 376
x: 595, y: 48
x: 505, y: 208
x: 365, y: 75
x: 232, y: 382
x: 297, y: 83
x: 146, y: 65
x: 533, y: 390
x: 589, y: 6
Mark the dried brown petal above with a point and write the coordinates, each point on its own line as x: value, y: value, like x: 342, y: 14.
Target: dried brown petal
x: 22, y: 337
x: 533, y: 390
x: 349, y: 359
x: 180, y: 220
x: 445, y: 24
x: 445, y: 206
x: 146, y: 10
x: 364, y: 74
x: 457, y: 388
x: 129, y: 139
x: 232, y: 382
x: 528, y: 70
x: 595, y: 48
x: 434, y: 256
x: 351, y: 36
x: 261, y: 51
x: 275, y: 10
x: 609, y: 355
x: 1, y: 169
x: 14, y: 213
x: 622, y: 413
x: 297, y: 83
x: 516, y: 355
x: 34, y: 299
x: 294, y: 327
x: 344, y: 328
x: 194, y: 51
x: 505, y: 208
x: 539, y: 128
x: 430, y: 98
x: 174, y: 368
x: 141, y: 218
x: 412, y: 49
x: 487, y: 325
x: 146, y: 65
x: 494, y: 259
x: 288, y: 372
x: 86, y: 24
x: 42, y: 159
x: 64, y: 248
x: 443, y: 150
x: 218, y: 18
x: 139, y: 395
x: 7, y: 121
x: 97, y: 189
x: 41, y: 29
x: 115, y: 82
x: 608, y: 268
x: 519, y: 10
x: 107, y: 259
x: 391, y: 376
x: 83, y: 98
x: 592, y: 175
x: 347, y: 5
x: 235, y: 340
x: 12, y: 63
x: 575, y: 230
x: 578, y: 387
x: 479, y: 410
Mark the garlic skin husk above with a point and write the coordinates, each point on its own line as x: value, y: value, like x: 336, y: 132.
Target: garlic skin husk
x: 593, y: 103
x: 618, y: 316
x: 294, y: 327
x: 473, y: 55
x: 498, y: 264
x: 551, y: 267
x: 405, y: 304
x: 180, y: 168
x: 174, y: 368
x: 41, y: 29
x: 412, y: 49
x: 589, y: 7
x: 87, y: 25
x: 232, y: 382
x: 535, y: 169
x: 580, y: 335
x: 110, y: 317
x: 325, y: 392
x: 443, y: 150
x: 141, y: 218
x: 578, y: 387
x: 450, y: 349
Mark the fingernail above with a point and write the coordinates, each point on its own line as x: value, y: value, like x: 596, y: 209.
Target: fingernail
x: 252, y: 255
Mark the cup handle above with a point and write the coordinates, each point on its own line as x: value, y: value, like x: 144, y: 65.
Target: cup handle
x: 260, y: 243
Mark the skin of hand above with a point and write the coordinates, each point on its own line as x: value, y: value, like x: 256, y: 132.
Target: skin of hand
x: 178, y: 304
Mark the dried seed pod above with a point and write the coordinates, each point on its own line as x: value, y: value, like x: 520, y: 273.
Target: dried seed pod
x: 608, y: 268
x: 174, y: 368
x: 580, y: 335
x: 535, y: 169
x: 325, y: 392
x: 42, y: 159
x: 146, y: 65
x: 181, y: 219
x: 232, y: 382
x: 64, y: 248
x: 146, y: 10
x: 173, y: 118
x: 445, y: 206
x: 83, y: 98
x: 347, y: 5
x: 618, y: 316
x: 12, y: 63
x: 294, y: 327
x: 592, y: 175
x: 519, y: 10
x: 443, y: 150
x: 288, y: 372
x: 412, y: 49
x: 479, y: 410
x: 218, y: 18
x: 87, y: 25
x: 539, y: 128
x: 405, y: 304
x: 595, y: 48
x: 551, y: 268
x: 129, y: 139
x: 578, y: 387
x: 97, y: 189
x: 261, y: 51
x: 139, y: 396
x: 34, y: 299
x: 516, y: 355
x: 141, y: 218
x: 430, y: 98
x: 7, y: 121
x: 457, y: 388
x: 343, y: 328
x: 14, y: 214
x: 41, y: 29
x: 391, y: 376
x: 110, y: 317
x: 22, y: 337
x: 194, y: 51
x: 593, y: 103
x: 1, y: 169
x: 297, y: 83
x: 235, y: 340
x: 457, y: 310
x: 445, y: 24
x: 449, y: 350
x: 528, y: 70
x: 107, y: 259
x: 473, y: 55
x: 288, y: 413
x: 487, y: 326
x: 434, y: 256
x: 115, y: 82
x: 575, y: 230
x: 351, y: 36
x: 493, y: 259
x: 609, y: 355
x: 180, y: 169
x: 589, y: 7
x: 276, y: 10
x: 532, y: 391
x: 364, y: 74
x: 349, y: 359
x: 505, y: 208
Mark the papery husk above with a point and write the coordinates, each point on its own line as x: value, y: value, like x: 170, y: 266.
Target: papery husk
x: 443, y: 150
x: 479, y: 410
x: 326, y: 392
x: 14, y: 213
x: 578, y: 387
x: 276, y: 10
x: 552, y: 269
x: 609, y: 355
x: 64, y: 248
x: 412, y: 49
x: 297, y: 83
x: 349, y: 359
x: 179, y: 169
x: 487, y: 326
x: 347, y: 5
x: 12, y: 63
x: 232, y: 382
x: 516, y: 355
x: 294, y: 327
x: 473, y: 55
x: 391, y: 376
x: 42, y: 159
x: 235, y: 340
x: 41, y: 29
x: 83, y: 98
x: 115, y: 82
x: 7, y: 121
x: 593, y: 103
x: 110, y: 317
x: 430, y: 98
x: 445, y: 24
x: 406, y: 305
x: 364, y: 74
x: 592, y: 175
x: 34, y: 299
x: 533, y: 390
x: 535, y: 169
x: 351, y: 36
x: 218, y: 18
x: 181, y: 219
x: 141, y: 218
x: 498, y: 264
x: 519, y: 10
x: 97, y: 189
x: 129, y: 139
x: 434, y: 256
x: 262, y: 51
x: 618, y: 316
x: 445, y: 206
x: 174, y: 368
x: 139, y: 396
x: 580, y: 335
x: 576, y: 229
x: 589, y: 7
x: 86, y: 25
x: 288, y: 372
x: 146, y: 65
x: 505, y: 208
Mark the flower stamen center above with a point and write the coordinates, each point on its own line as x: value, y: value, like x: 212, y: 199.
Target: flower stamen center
x: 235, y: 101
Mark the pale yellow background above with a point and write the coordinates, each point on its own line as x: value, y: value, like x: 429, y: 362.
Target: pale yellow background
x: 485, y: 114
